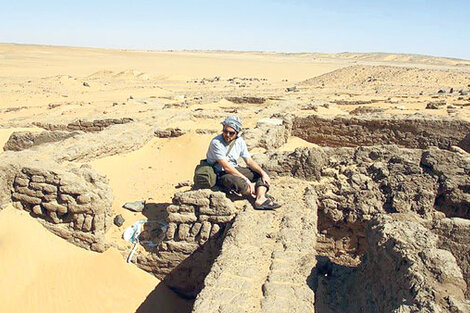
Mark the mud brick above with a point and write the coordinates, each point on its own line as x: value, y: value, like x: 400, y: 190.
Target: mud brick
x: 75, y: 208
x: 183, y: 246
x: 87, y: 223
x: 215, y: 218
x: 26, y: 198
x: 34, y: 171
x: 86, y: 124
x: 73, y: 189
x: 23, y: 182
x: 172, y: 208
x: 183, y: 231
x: 182, y: 218
x: 220, y: 210
x: 67, y: 198
x: 37, y: 209
x: 180, y: 208
x: 38, y: 179
x: 98, y: 223
x: 195, y: 229
x: 52, y: 179
x: 78, y: 221
x: 170, y: 256
x: 54, y: 217
x: 83, y: 199
x: 170, y: 232
x: 54, y: 206
x: 30, y: 192
x: 205, y: 231
x: 214, y: 230
x: 44, y: 187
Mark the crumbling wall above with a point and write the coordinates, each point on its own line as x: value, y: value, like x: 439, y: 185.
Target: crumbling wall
x: 269, y: 133
x: 266, y: 258
x: 111, y: 141
x: 7, y: 175
x: 196, y: 222
x: 415, y: 131
x: 454, y: 236
x: 356, y: 184
x: 452, y: 171
x: 86, y: 126
x: 73, y: 203
x: 379, y: 211
x: 404, y: 270
x: 24, y: 140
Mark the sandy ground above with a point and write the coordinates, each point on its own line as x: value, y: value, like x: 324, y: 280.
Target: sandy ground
x: 41, y: 272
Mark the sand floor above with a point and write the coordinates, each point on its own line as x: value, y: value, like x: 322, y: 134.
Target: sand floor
x: 43, y: 273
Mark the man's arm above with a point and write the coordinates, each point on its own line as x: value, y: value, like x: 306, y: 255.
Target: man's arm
x: 230, y: 169
x: 255, y: 167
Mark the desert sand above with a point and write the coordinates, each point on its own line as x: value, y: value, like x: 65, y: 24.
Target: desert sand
x: 186, y: 89
x: 43, y: 273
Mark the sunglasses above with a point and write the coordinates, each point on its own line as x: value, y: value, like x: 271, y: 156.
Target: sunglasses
x: 228, y: 132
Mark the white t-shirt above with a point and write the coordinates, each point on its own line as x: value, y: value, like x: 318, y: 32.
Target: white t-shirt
x: 218, y: 151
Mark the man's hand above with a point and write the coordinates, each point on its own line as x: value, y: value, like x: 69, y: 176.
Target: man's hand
x: 255, y: 167
x: 266, y: 180
x: 251, y: 187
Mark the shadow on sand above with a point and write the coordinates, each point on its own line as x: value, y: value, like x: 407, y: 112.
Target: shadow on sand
x: 164, y: 300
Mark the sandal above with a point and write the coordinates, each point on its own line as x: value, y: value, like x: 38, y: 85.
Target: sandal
x: 268, y: 205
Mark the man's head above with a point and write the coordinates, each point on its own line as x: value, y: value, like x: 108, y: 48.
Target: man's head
x: 232, y: 126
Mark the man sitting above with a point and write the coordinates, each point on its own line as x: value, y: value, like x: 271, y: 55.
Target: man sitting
x: 223, y: 153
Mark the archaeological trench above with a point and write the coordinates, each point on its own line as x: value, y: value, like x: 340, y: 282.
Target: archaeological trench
x: 376, y: 218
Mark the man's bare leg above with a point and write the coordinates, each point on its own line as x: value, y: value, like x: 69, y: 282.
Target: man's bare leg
x: 261, y: 195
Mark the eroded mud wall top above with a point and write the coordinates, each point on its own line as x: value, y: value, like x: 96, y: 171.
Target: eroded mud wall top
x: 410, y: 131
x: 266, y: 258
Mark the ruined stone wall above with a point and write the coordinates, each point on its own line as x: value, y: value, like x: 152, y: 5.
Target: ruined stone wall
x: 7, y: 175
x: 86, y: 126
x: 269, y: 133
x: 196, y: 221
x: 111, y: 141
x: 416, y: 132
x: 404, y: 196
x: 403, y: 270
x: 355, y: 184
x: 266, y: 258
x: 73, y: 203
x: 24, y: 140
x: 454, y: 236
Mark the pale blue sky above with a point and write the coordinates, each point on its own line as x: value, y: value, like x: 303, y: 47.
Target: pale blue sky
x: 440, y: 28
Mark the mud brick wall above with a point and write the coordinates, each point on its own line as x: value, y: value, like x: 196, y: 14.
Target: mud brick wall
x: 416, y: 132
x: 74, y: 204
x: 404, y: 270
x: 269, y: 133
x: 454, y: 236
x: 24, y: 140
x: 197, y: 221
x: 86, y: 126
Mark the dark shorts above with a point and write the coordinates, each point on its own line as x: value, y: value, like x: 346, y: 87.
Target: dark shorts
x: 238, y: 184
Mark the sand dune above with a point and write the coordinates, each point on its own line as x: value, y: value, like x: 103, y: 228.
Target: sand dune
x: 43, y: 273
